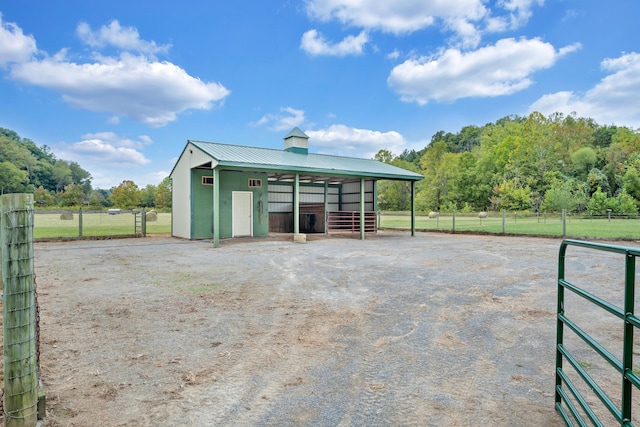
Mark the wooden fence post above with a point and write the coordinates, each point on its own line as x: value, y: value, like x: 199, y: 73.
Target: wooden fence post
x: 19, y: 310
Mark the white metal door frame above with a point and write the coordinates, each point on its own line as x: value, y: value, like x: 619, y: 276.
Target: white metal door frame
x: 239, y: 208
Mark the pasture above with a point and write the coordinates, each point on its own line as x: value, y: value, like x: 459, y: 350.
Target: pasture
x: 101, y: 224
x: 51, y: 225
x: 519, y: 223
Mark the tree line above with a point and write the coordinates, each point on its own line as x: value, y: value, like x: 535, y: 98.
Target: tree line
x: 27, y: 168
x: 535, y: 163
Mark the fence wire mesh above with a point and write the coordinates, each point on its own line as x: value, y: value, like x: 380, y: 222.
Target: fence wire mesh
x: 519, y: 223
x: 80, y: 223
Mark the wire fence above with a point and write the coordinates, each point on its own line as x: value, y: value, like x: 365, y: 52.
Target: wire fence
x: 609, y: 226
x: 19, y: 313
x: 79, y: 223
x: 63, y: 224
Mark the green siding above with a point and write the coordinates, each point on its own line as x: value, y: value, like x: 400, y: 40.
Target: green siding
x: 201, y: 205
x: 239, y: 181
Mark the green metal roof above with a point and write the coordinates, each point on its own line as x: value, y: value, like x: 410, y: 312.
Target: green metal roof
x: 277, y: 161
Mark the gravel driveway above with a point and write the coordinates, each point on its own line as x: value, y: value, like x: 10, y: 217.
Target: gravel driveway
x: 435, y: 330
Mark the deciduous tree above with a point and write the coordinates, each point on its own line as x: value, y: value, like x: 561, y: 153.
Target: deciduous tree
x: 12, y: 179
x: 148, y: 196
x: 163, y: 194
x: 73, y: 195
x: 126, y: 195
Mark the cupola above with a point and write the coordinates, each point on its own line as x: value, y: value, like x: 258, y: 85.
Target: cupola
x: 296, y: 141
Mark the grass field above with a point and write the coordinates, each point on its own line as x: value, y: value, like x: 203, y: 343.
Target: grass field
x: 50, y: 225
x: 550, y: 225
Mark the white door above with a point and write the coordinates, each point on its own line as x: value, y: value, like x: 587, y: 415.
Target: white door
x: 242, y: 216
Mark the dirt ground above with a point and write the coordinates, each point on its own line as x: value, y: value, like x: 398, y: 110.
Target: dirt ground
x: 435, y: 330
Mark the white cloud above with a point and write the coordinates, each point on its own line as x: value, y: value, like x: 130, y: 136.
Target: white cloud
x: 133, y: 85
x: 108, y: 176
x: 501, y: 69
x: 111, y: 158
x: 105, y: 149
x: 398, y: 17
x: 518, y: 14
x: 147, y: 91
x: 569, y: 49
x: 14, y: 45
x: 153, y: 178
x: 286, y: 119
x: 613, y: 100
x: 466, y: 19
x: 315, y: 44
x: 348, y: 141
x: 125, y: 38
x: 393, y: 55
x: 146, y: 139
x: 113, y: 139
x: 467, y: 35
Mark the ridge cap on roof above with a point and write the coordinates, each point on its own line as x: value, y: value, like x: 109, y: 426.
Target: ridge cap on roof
x: 253, y: 147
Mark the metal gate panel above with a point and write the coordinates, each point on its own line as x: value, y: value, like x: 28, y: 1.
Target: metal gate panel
x: 569, y: 402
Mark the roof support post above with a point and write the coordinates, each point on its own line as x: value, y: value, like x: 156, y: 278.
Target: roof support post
x: 413, y: 208
x: 375, y: 195
x: 296, y: 204
x: 362, y: 219
x: 326, y: 206
x: 375, y: 204
x: 216, y: 208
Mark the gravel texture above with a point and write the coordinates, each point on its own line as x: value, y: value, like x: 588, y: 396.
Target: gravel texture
x: 431, y: 330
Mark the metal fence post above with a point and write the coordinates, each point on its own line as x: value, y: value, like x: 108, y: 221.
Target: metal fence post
x: 564, y: 222
x: 144, y: 223
x: 19, y: 310
x: 627, y: 356
x: 453, y: 222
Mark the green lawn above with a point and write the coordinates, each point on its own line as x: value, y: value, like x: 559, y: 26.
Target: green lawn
x: 521, y: 224
x: 50, y: 225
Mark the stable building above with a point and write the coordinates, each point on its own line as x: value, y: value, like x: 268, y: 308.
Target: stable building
x: 224, y: 191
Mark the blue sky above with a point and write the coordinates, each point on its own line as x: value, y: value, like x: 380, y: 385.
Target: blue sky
x: 120, y: 86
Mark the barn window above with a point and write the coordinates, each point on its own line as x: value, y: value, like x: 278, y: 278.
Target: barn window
x: 207, y: 180
x: 255, y: 183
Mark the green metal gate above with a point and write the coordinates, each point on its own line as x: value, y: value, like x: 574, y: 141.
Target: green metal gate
x: 570, y: 403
